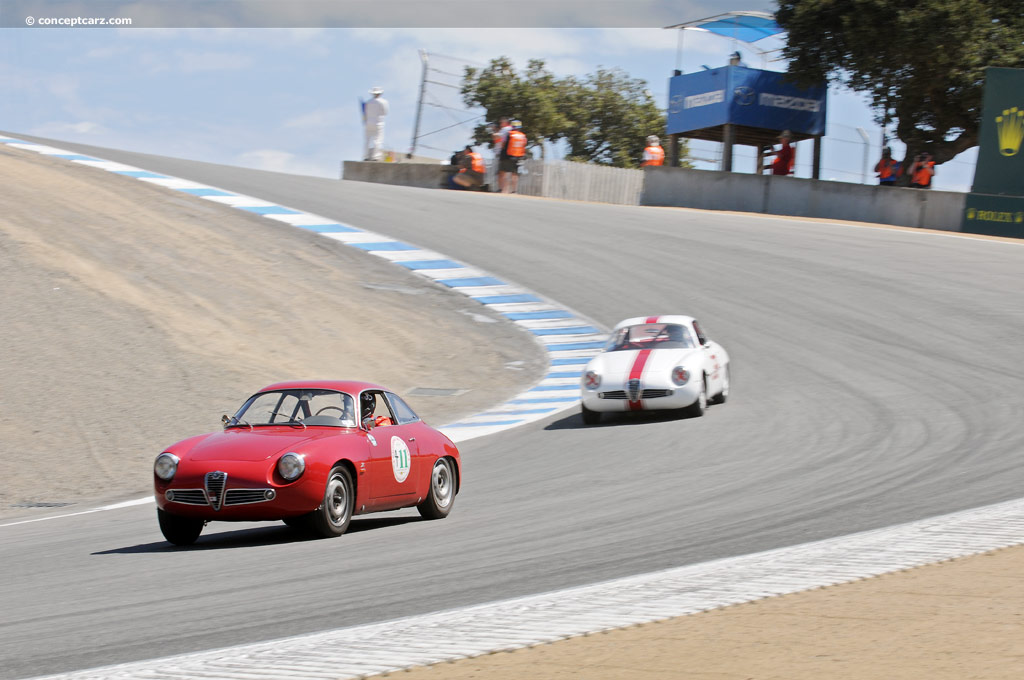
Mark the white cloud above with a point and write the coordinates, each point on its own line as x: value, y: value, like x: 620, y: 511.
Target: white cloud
x: 56, y: 129
x: 275, y: 160
x: 318, y: 119
x: 196, y: 62
x: 104, y: 52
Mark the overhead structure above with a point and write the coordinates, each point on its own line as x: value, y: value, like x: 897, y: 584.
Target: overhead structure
x: 745, y: 27
x: 734, y: 104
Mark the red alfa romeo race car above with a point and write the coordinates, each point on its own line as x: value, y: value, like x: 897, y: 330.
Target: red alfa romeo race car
x: 311, y: 453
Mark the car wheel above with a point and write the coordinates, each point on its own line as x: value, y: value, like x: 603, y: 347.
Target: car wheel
x: 179, y: 530
x: 724, y: 394
x: 697, y: 408
x: 334, y: 514
x: 590, y: 417
x: 441, y: 496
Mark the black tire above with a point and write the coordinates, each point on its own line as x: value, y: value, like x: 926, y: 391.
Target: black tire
x: 441, y: 496
x: 179, y: 530
x: 722, y: 396
x: 333, y: 516
x: 590, y: 417
x: 697, y: 408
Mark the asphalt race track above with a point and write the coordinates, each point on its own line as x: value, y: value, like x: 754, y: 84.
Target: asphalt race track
x: 878, y: 378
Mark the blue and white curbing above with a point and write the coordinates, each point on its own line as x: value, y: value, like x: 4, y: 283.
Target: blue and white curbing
x: 568, y: 339
x: 365, y: 650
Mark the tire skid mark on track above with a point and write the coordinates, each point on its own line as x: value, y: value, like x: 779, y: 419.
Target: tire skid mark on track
x: 376, y: 648
x: 470, y: 631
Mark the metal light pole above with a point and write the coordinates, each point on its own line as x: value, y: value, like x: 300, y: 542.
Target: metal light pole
x: 867, y: 150
x: 419, y: 105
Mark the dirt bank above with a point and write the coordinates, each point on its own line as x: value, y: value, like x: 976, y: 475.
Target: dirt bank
x: 134, y: 316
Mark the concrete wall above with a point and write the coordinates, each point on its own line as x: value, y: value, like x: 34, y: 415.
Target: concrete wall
x: 802, y: 197
x: 427, y: 175
x: 706, y: 190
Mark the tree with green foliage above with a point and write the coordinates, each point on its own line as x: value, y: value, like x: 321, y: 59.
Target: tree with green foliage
x: 610, y: 116
x: 604, y: 117
x: 921, y: 62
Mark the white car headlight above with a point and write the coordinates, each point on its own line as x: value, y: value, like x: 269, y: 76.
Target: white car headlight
x: 165, y: 466
x: 592, y: 380
x: 291, y: 466
x: 680, y: 376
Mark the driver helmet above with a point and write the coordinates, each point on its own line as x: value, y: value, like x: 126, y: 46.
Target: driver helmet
x: 368, y: 404
x: 516, y: 124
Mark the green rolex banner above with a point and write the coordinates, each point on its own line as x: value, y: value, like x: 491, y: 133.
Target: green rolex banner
x: 996, y: 202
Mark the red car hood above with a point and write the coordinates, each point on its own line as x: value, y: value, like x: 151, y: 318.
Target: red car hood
x: 254, y: 445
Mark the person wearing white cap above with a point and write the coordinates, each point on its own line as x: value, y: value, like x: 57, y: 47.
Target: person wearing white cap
x: 373, y: 118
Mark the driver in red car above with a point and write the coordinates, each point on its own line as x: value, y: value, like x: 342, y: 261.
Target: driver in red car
x: 369, y: 406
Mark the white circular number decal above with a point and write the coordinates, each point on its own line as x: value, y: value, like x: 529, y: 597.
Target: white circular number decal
x: 400, y: 459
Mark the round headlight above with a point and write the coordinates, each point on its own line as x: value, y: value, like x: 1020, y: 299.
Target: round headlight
x: 680, y: 375
x: 165, y: 466
x: 291, y: 466
x: 591, y: 380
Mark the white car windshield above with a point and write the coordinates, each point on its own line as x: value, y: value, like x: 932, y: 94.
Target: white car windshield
x: 651, y: 336
x: 297, y: 407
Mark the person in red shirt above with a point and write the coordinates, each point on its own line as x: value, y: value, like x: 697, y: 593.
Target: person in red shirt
x: 783, y: 163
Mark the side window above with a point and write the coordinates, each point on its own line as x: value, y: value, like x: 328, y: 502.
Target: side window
x: 402, y: 410
x: 700, y: 333
x: 381, y: 413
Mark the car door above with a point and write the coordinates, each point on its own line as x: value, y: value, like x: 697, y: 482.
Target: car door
x: 393, y: 451
x: 426, y: 451
x: 712, y: 362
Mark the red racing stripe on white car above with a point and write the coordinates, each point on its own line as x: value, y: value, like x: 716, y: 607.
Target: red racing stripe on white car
x: 652, y: 319
x: 636, y: 373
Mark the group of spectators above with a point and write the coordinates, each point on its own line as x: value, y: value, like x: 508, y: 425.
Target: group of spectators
x: 508, y: 141
x: 509, y: 144
x: 921, y: 171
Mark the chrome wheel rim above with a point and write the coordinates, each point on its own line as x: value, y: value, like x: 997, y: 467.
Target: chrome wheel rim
x: 441, y: 484
x: 725, y: 384
x: 337, y: 500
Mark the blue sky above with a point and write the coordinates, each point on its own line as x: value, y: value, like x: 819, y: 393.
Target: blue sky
x: 287, y: 99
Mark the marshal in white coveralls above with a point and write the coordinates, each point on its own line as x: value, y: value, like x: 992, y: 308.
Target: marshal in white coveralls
x: 374, y: 112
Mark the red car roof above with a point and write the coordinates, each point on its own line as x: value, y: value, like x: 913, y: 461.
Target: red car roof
x: 350, y: 386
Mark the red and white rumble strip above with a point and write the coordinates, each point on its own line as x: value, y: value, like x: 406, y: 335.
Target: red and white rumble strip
x: 511, y: 624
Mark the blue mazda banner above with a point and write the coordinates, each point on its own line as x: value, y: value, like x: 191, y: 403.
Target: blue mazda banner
x: 744, y: 96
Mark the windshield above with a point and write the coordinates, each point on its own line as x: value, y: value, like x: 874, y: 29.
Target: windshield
x: 297, y: 407
x: 651, y: 336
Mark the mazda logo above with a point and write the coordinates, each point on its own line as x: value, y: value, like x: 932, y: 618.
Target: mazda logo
x: 743, y: 95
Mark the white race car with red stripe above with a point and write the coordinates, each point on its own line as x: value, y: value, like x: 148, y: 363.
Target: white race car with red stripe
x: 655, y: 363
